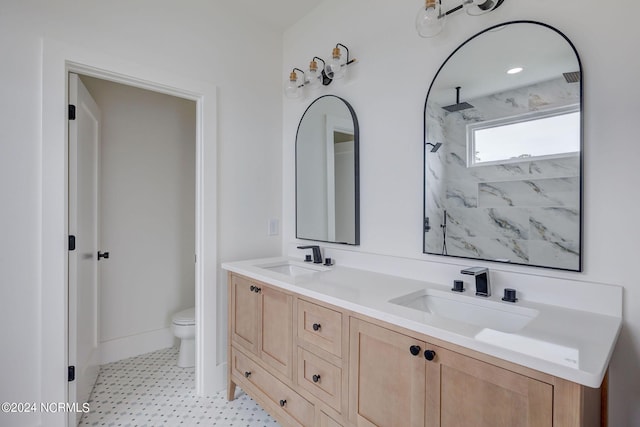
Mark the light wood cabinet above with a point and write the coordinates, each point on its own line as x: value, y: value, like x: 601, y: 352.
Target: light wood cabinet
x: 320, y: 326
x: 261, y: 321
x: 386, y: 382
x: 315, y: 365
x: 463, y: 391
x: 400, y: 380
x: 292, y: 408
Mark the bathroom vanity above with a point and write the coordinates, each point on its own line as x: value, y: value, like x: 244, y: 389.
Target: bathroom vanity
x: 336, y: 346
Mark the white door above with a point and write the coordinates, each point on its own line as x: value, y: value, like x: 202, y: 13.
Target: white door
x: 84, y: 149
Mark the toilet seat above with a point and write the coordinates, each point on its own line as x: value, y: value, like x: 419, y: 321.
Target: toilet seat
x: 185, y: 317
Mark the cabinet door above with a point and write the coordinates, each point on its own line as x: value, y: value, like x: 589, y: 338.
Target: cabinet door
x: 386, y: 381
x: 244, y: 313
x: 462, y: 391
x: 276, y: 343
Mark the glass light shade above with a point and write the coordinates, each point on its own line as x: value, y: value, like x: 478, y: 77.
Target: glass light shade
x: 291, y: 89
x: 314, y: 76
x: 429, y: 20
x: 337, y: 67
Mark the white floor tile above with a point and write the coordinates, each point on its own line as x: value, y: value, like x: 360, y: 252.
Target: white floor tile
x: 151, y: 390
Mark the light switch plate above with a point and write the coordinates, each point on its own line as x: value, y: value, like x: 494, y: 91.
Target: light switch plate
x: 274, y: 227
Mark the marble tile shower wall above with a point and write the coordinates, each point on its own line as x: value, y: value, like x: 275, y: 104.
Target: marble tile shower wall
x: 526, y: 212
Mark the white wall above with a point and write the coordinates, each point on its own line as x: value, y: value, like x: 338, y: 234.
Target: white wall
x: 387, y: 89
x: 147, y: 215
x: 205, y: 41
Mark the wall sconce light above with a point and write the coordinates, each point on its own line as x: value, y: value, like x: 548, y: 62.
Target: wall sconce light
x: 315, y: 77
x: 431, y: 18
x: 292, y: 87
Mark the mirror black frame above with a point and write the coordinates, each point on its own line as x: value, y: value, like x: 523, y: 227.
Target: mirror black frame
x: 356, y: 139
x: 581, y: 155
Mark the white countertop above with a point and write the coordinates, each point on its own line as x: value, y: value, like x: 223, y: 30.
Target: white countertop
x: 567, y: 343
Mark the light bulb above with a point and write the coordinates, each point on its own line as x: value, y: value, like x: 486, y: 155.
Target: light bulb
x: 314, y: 76
x: 291, y: 89
x: 429, y: 20
x: 337, y: 67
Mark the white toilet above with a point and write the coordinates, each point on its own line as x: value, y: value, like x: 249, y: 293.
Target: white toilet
x: 183, y: 325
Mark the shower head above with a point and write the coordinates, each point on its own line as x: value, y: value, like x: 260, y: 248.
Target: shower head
x: 458, y: 106
x: 435, y: 147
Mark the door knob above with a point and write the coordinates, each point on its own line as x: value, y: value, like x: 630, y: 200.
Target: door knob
x: 429, y: 355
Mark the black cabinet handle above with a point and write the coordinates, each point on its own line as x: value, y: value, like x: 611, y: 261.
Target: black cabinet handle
x: 252, y: 288
x: 247, y: 374
x: 283, y: 403
x: 316, y: 378
x: 258, y: 290
x: 429, y: 355
x: 316, y: 326
x: 104, y: 255
x: 414, y: 350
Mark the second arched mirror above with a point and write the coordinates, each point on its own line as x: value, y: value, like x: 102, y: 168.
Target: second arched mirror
x: 503, y: 150
x: 327, y: 173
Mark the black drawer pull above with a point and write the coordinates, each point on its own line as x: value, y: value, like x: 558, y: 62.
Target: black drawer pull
x: 316, y: 326
x: 283, y: 403
x: 429, y: 355
x: 316, y: 378
x: 247, y: 374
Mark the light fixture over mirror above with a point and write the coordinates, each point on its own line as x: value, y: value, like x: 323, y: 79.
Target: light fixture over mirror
x: 316, y: 77
x: 505, y: 184
x: 432, y: 17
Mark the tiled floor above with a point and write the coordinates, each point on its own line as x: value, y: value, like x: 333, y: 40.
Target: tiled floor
x: 150, y: 390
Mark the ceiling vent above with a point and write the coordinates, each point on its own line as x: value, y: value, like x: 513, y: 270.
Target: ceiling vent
x: 573, y: 77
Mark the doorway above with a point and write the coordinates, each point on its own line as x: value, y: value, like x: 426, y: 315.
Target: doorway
x: 144, y: 175
x: 57, y: 61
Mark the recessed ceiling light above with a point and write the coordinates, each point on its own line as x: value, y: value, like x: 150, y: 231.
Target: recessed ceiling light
x: 515, y: 70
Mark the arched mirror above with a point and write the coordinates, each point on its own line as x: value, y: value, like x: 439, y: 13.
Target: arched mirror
x: 327, y: 181
x: 503, y: 150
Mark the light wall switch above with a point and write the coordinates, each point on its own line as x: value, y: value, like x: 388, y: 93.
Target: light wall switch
x: 274, y: 227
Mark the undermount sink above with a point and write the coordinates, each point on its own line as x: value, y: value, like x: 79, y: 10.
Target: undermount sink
x: 469, y: 309
x: 291, y: 268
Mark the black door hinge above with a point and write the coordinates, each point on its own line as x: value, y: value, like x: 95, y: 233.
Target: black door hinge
x: 71, y: 373
x: 72, y: 112
x: 72, y: 242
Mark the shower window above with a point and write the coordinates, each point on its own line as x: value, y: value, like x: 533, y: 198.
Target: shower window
x: 532, y: 136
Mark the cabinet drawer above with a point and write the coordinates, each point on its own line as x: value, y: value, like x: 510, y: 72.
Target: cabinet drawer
x: 294, y: 405
x: 327, y: 421
x: 320, y: 326
x: 320, y: 378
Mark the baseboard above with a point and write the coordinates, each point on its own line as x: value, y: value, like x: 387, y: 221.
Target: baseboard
x: 135, y: 345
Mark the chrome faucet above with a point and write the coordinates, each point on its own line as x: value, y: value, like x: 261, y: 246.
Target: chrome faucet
x: 317, y: 255
x: 481, y: 274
